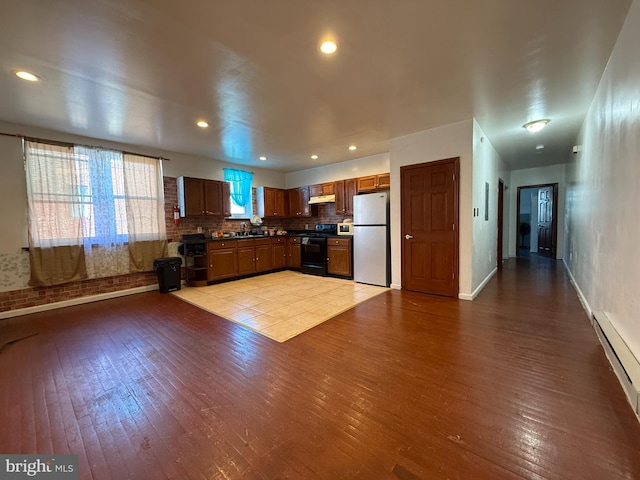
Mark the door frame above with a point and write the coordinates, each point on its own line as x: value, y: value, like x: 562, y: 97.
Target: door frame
x: 500, y: 218
x: 456, y: 218
x: 554, y: 221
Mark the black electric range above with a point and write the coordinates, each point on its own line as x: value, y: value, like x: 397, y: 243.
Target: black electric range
x: 322, y: 230
x: 313, y: 248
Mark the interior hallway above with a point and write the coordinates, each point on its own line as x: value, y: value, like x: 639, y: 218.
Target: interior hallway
x: 513, y: 385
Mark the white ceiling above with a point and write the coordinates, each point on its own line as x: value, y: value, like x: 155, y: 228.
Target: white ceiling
x: 142, y: 72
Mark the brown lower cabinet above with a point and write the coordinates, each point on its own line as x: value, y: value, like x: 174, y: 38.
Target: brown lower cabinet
x: 254, y: 256
x: 222, y: 259
x: 264, y: 255
x: 279, y: 250
x: 339, y: 259
x: 247, y: 256
x: 293, y: 252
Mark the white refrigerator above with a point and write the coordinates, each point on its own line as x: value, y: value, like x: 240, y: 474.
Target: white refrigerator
x: 371, y: 251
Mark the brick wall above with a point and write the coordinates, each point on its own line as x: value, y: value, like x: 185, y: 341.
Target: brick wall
x: 31, y: 297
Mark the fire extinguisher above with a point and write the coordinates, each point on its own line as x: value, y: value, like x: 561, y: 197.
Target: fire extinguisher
x: 176, y: 215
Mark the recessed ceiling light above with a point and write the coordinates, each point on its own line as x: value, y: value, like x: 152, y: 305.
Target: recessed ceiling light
x: 263, y: 158
x: 202, y: 124
x: 328, y: 47
x: 28, y: 76
x: 352, y: 147
x: 539, y: 147
x: 314, y: 157
x: 536, y: 125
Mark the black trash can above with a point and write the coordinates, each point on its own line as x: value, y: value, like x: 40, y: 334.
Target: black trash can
x: 168, y: 270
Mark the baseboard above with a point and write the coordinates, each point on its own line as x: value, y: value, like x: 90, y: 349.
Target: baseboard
x: 625, y: 364
x: 476, y: 292
x: 581, y: 297
x: 76, y: 301
x: 396, y: 286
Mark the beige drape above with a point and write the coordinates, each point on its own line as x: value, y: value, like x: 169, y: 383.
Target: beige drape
x: 144, y: 192
x: 56, y: 265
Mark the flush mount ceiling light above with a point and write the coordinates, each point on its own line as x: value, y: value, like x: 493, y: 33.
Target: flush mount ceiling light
x: 202, y: 124
x: 263, y: 158
x: 328, y: 47
x: 314, y: 157
x: 536, y: 125
x: 352, y: 147
x: 539, y: 147
x: 28, y: 76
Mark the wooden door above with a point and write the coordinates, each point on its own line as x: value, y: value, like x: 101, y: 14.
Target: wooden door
x: 429, y: 221
x: 545, y: 221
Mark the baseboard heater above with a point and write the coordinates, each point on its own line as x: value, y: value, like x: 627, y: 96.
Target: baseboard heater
x: 624, y: 363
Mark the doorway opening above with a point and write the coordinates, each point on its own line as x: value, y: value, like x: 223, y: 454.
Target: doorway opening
x: 500, y: 219
x: 536, y: 224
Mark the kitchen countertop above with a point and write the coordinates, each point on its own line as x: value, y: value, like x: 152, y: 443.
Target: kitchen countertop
x: 247, y: 237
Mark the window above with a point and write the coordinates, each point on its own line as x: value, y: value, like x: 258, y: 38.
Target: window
x: 90, y: 196
x: 240, y: 188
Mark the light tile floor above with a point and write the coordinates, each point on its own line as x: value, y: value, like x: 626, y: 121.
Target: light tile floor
x: 280, y: 305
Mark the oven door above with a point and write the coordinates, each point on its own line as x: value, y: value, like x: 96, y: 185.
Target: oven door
x: 313, y: 256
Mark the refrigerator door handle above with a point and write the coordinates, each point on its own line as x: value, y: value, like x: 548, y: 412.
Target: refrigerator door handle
x: 408, y: 237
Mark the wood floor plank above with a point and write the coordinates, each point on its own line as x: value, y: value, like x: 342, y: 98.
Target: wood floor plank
x: 513, y: 385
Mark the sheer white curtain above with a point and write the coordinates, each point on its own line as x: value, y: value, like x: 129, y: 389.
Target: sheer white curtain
x: 104, y: 207
x: 144, y: 193
x: 56, y: 226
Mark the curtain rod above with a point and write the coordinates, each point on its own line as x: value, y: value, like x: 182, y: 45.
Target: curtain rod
x: 70, y: 144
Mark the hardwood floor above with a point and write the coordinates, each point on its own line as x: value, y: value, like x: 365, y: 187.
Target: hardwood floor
x: 513, y: 385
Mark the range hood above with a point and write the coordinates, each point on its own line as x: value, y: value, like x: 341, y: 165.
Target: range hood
x: 322, y: 199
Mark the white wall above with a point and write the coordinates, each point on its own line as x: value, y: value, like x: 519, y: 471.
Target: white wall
x: 359, y: 167
x: 178, y: 163
x: 488, y: 167
x: 449, y: 141
x: 603, y: 230
x: 537, y: 176
x: 13, y: 196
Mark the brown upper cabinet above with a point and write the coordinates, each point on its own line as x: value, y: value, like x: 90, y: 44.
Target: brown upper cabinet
x: 271, y: 202
x: 321, y: 189
x: 197, y: 196
x: 299, y: 203
x: 344, y: 191
x: 372, y: 183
